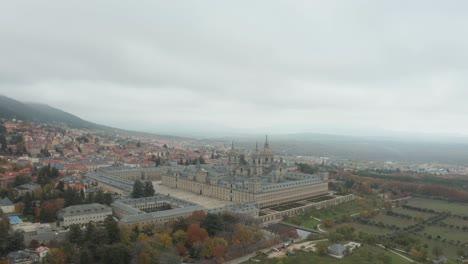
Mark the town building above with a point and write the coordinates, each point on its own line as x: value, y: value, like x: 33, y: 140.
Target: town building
x: 6, y: 206
x: 83, y: 214
x: 160, y: 208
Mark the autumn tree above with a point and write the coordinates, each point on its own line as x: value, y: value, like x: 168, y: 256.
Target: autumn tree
x: 242, y: 235
x: 196, y: 234
x: 214, y: 247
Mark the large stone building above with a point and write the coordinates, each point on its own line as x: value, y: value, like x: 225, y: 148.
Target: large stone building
x: 160, y: 208
x: 83, y: 214
x: 256, y: 177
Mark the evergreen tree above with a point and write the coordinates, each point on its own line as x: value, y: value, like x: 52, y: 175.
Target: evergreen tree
x: 149, y: 189
x: 138, y: 189
x: 28, y: 205
x: 60, y: 186
x: 112, y: 229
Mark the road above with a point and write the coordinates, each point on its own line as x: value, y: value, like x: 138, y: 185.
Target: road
x: 58, y: 235
x: 393, y: 251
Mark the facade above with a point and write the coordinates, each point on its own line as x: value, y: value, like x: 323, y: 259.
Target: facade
x: 26, y: 188
x: 83, y: 214
x: 160, y: 208
x: 6, y: 206
x: 257, y: 177
x: 120, y: 180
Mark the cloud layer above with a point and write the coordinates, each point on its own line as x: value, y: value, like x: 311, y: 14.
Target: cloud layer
x: 253, y: 66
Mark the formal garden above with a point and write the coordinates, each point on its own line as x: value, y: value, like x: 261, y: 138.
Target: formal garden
x: 418, y: 228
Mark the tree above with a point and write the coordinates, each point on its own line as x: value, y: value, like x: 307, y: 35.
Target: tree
x: 214, y: 247
x: 322, y: 248
x: 149, y: 189
x: 242, y: 235
x: 21, y: 179
x: 75, y: 234
x: 144, y: 258
x: 112, y: 229
x: 437, y: 251
x: 114, y: 254
x: 213, y: 224
x: 28, y: 205
x: 138, y: 189
x: 196, y: 234
x: 55, y: 256
x: 60, y: 186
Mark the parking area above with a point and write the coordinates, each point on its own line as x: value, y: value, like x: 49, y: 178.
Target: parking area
x: 207, y: 202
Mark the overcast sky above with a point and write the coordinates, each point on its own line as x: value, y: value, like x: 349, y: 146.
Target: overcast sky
x: 245, y: 66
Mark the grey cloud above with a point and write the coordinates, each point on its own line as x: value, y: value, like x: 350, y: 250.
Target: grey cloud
x: 356, y: 63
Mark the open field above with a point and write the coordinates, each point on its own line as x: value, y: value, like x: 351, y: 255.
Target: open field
x: 448, y: 240
x: 393, y: 220
x: 363, y: 228
x: 412, y: 213
x: 439, y: 205
x: 346, y: 209
x: 447, y: 233
x: 455, y: 221
x: 364, y: 255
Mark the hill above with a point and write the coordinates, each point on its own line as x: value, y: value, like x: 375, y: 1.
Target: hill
x: 45, y: 114
x: 41, y: 113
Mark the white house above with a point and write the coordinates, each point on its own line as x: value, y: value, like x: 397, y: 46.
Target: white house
x: 7, y: 206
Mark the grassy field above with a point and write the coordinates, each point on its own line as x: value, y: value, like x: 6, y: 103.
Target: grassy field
x: 364, y: 255
x: 439, y: 205
x: 411, y: 212
x: 364, y: 228
x: 447, y: 233
x: 455, y: 221
x: 310, y: 223
x: 349, y: 208
x: 393, y: 220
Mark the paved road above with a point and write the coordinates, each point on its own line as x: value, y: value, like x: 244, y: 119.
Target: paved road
x: 59, y: 235
x: 408, y: 259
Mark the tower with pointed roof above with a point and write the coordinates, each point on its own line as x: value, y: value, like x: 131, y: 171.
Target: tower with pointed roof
x: 267, y: 153
x: 233, y: 159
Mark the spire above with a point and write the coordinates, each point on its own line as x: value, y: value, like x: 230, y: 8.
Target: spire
x: 256, y: 146
x: 232, y: 144
x: 267, y: 145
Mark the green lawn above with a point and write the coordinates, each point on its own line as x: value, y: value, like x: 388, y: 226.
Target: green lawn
x: 447, y: 233
x: 393, y: 220
x: 364, y: 255
x: 364, y: 228
x: 412, y: 213
x: 439, y: 205
x: 349, y: 208
x: 456, y: 221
